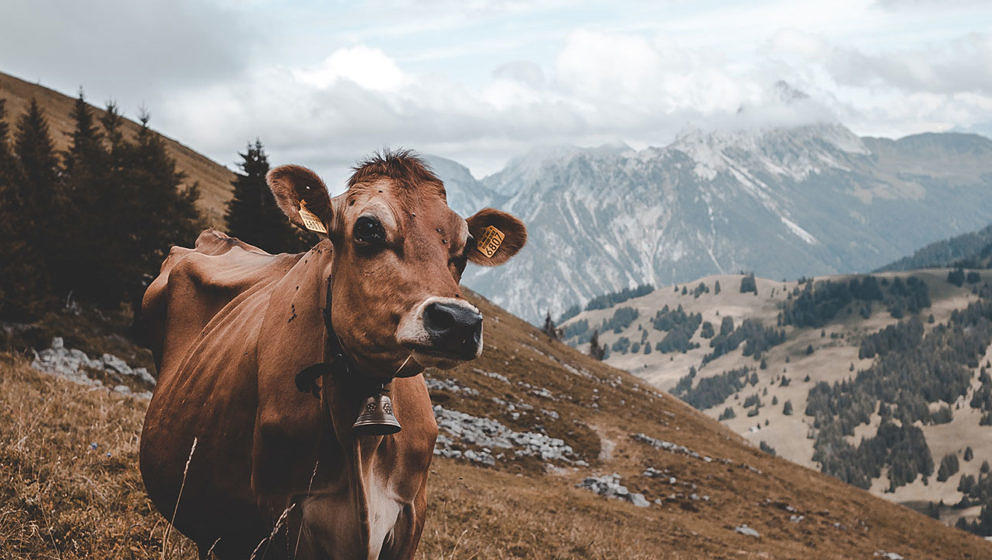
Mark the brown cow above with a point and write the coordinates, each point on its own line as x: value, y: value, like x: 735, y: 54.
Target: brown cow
x: 276, y: 472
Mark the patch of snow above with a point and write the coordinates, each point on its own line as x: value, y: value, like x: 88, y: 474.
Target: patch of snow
x: 798, y: 231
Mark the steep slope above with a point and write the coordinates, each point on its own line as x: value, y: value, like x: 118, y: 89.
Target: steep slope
x: 846, y: 355
x: 214, y: 179
x: 521, y: 429
x: 814, y: 199
x: 973, y: 248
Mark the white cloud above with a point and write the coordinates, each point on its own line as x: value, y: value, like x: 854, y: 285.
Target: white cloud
x: 601, y: 87
x: 121, y: 48
x: 961, y: 65
x: 366, y: 67
x: 480, y: 83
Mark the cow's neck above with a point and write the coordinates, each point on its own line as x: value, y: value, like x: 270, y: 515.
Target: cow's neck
x: 367, y: 460
x: 341, y: 398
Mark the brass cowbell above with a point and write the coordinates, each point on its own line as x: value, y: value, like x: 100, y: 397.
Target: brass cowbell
x: 376, y: 417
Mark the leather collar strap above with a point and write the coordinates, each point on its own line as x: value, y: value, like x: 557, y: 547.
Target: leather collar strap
x: 338, y: 363
x: 376, y: 417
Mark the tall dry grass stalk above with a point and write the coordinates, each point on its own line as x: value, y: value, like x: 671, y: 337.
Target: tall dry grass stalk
x: 275, y: 529
x: 168, y: 528
x: 313, y: 475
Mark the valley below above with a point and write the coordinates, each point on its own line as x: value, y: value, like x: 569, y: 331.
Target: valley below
x: 879, y: 379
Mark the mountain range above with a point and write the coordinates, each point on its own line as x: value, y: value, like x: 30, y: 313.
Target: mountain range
x: 781, y: 202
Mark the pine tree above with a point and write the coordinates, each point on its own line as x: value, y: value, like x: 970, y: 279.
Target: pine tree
x: 134, y: 208
x: 29, y: 217
x: 948, y: 467
x: 252, y: 214
x: 595, y: 349
x: 85, y: 150
x: 39, y: 192
x: 159, y: 213
x: 549, y: 327
x: 86, y: 177
x: 6, y: 157
x: 20, y: 271
x: 39, y: 166
x: 107, y: 210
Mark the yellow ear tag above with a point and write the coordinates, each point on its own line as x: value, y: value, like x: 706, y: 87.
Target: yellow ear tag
x: 310, y: 220
x: 490, y: 241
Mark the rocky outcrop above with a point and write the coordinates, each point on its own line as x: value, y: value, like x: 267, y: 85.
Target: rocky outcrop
x: 106, y: 371
x: 485, y: 441
x: 610, y: 487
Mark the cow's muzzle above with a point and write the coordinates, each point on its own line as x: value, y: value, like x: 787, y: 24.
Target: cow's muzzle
x: 443, y: 329
x: 456, y: 330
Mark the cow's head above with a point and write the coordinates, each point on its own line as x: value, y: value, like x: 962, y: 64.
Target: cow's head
x: 399, y: 253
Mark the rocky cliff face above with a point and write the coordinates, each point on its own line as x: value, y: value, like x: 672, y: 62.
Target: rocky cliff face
x: 782, y: 202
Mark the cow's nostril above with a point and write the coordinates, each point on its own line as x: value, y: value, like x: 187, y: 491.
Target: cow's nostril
x: 440, y: 316
x: 454, y: 328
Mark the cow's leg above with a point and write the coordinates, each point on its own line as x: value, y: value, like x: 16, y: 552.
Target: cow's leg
x: 408, y: 529
x: 327, y: 529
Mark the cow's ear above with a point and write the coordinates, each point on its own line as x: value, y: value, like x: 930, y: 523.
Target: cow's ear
x: 294, y: 188
x: 497, y: 237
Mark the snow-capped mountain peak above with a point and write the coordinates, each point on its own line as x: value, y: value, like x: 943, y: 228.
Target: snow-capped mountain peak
x: 780, y: 201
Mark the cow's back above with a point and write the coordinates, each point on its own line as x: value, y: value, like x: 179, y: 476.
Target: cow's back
x: 193, y: 285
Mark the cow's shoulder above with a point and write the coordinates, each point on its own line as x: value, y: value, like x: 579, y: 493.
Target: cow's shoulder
x: 213, y: 242
x: 194, y: 284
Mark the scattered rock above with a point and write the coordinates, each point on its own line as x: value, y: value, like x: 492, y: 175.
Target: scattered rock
x: 669, y: 446
x: 538, y: 391
x: 73, y: 364
x: 543, y: 393
x: 450, y: 385
x: 610, y: 487
x: 492, y: 375
x: 745, y: 530
x: 652, y: 472
x: 487, y: 434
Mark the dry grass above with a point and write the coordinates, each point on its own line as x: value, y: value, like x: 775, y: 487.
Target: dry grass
x: 61, y: 499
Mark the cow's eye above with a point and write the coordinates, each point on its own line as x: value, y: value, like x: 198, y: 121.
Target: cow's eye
x: 368, y: 231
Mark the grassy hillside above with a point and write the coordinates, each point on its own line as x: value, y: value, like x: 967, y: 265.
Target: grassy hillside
x: 214, y: 179
x: 810, y: 371
x: 62, y: 497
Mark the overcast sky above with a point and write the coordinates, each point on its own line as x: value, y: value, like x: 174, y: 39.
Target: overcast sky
x: 480, y: 81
